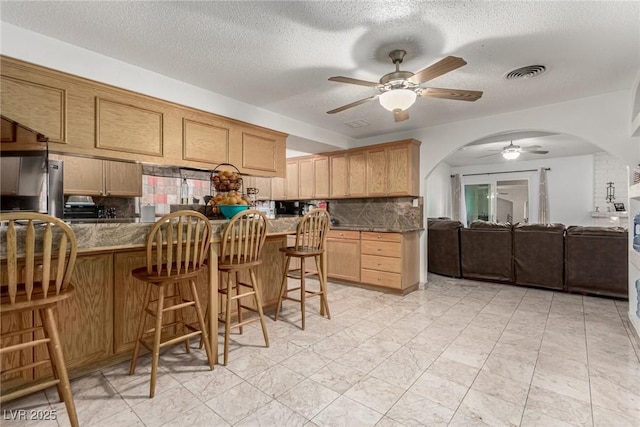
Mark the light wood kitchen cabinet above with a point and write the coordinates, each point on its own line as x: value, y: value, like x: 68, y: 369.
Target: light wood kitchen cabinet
x: 357, y: 175
x: 305, y: 178
x: 88, y: 118
x: 347, y: 177
x: 258, y: 151
x: 393, y: 169
x: 313, y: 177
x: 338, y: 176
x: 286, y: 188
x: 343, y: 255
x: 36, y: 103
x: 292, y: 187
x: 279, y: 188
x: 389, y: 260
x: 263, y: 184
x: 95, y: 177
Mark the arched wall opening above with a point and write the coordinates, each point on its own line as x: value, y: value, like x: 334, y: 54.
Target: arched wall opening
x: 601, y: 120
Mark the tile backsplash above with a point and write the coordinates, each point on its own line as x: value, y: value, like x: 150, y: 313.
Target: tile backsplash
x: 161, y: 186
x: 392, y: 212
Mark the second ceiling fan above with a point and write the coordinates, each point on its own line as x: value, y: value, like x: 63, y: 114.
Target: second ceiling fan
x: 399, y: 89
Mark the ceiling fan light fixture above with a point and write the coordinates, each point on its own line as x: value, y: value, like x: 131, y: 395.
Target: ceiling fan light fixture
x: 511, y: 154
x: 397, y: 99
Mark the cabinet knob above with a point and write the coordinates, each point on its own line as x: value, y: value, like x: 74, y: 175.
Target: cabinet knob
x: 379, y: 249
x: 379, y: 236
x: 341, y: 234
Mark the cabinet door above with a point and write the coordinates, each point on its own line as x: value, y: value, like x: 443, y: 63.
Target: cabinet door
x: 261, y: 183
x: 82, y: 176
x: 278, y: 188
x: 376, y: 172
x: 292, y: 181
x: 85, y: 321
x: 306, y: 178
x: 357, y: 171
x: 338, y: 176
x: 321, y: 177
x: 343, y: 259
x: 398, y: 171
x: 38, y: 105
x: 123, y: 179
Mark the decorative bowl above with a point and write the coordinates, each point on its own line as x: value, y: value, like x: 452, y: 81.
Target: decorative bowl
x: 230, y: 210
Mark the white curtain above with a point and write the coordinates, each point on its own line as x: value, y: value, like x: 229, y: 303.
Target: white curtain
x: 457, y: 198
x: 543, y: 202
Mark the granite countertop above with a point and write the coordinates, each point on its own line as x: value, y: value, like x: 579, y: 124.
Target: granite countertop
x: 375, y: 229
x: 130, y: 233
x: 122, y: 233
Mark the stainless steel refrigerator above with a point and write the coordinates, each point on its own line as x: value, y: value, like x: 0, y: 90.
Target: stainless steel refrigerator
x: 31, y: 183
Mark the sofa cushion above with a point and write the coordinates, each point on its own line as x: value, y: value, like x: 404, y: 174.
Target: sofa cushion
x: 486, y: 251
x: 538, y: 255
x: 596, y: 260
x: 443, y: 247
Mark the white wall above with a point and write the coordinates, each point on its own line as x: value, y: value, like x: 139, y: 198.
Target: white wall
x: 570, y: 185
x: 438, y: 192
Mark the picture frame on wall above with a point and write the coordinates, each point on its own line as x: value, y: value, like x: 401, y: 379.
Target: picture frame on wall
x: 619, y: 207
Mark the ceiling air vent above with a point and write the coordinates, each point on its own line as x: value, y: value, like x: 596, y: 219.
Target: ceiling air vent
x: 357, y: 123
x: 526, y: 72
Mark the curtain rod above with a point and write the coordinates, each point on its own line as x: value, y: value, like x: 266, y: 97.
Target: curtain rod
x: 497, y: 173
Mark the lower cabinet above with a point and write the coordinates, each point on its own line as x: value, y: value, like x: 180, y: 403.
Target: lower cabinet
x: 343, y: 255
x: 388, y: 260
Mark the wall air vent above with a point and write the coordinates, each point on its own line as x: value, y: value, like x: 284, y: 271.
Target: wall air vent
x: 357, y: 123
x: 526, y: 72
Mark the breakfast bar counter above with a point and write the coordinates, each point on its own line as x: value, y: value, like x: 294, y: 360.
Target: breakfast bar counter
x: 100, y: 320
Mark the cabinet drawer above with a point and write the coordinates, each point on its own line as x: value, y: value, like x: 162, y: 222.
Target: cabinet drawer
x: 343, y: 234
x: 381, y: 263
x: 381, y: 278
x: 382, y: 237
x: 392, y: 249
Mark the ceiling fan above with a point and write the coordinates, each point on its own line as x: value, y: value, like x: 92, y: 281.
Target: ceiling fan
x: 399, y: 89
x: 511, y: 152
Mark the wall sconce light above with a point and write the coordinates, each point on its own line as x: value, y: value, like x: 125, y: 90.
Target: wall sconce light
x: 611, y: 192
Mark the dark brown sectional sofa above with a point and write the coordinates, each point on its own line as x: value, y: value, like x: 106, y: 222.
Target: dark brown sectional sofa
x: 589, y: 260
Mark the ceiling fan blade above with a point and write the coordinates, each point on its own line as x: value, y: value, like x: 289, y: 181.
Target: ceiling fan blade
x: 401, y: 115
x: 353, y: 104
x: 530, y: 148
x: 488, y: 155
x: 341, y: 79
x: 457, y: 94
x: 537, y: 152
x: 441, y: 67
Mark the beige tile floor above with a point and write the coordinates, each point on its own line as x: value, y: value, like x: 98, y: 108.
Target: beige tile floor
x: 457, y: 353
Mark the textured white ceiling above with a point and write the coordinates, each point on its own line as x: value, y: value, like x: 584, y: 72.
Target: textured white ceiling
x: 279, y: 55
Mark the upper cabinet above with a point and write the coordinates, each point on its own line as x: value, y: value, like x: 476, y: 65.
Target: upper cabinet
x: 87, y: 118
x: 292, y: 191
x: 313, y: 177
x: 394, y: 169
x: 261, y: 184
x: 95, y: 177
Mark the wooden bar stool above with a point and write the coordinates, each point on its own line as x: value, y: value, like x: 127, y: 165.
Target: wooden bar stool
x: 37, y: 284
x: 311, y: 238
x: 240, y: 250
x: 177, y: 246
